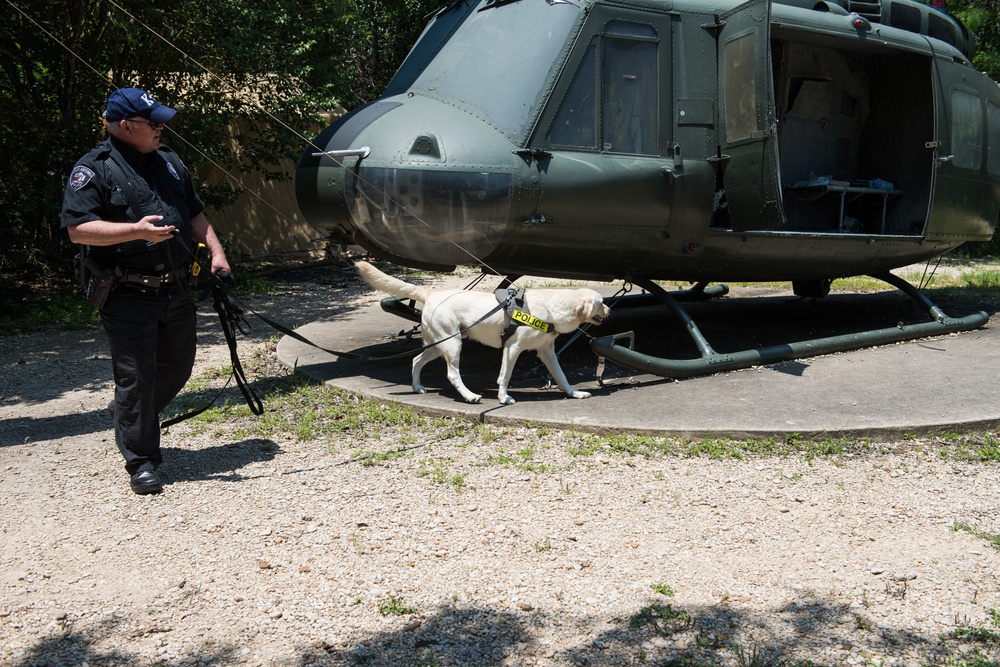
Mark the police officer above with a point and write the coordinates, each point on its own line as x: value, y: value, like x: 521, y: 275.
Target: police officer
x: 132, y: 206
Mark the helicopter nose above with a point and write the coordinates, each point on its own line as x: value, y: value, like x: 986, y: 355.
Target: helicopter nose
x: 428, y: 190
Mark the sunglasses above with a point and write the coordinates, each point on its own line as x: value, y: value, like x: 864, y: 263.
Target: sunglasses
x: 155, y: 126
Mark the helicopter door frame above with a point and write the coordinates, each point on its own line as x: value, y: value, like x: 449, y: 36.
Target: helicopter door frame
x: 747, y: 128
x: 964, y: 203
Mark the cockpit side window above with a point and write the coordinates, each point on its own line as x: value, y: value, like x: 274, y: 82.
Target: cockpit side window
x: 966, y: 130
x: 575, y: 124
x: 622, y: 73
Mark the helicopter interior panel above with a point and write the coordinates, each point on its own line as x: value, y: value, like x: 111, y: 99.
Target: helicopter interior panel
x: 852, y: 128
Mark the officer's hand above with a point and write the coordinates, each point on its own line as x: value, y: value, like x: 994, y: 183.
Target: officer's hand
x: 149, y: 231
x: 227, y: 278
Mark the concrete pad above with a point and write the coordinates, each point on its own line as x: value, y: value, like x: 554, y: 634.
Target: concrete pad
x: 933, y: 384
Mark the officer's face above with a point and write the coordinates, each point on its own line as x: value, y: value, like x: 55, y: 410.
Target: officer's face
x: 143, y: 135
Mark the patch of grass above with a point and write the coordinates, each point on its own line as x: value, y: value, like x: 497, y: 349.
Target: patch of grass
x: 862, y: 623
x: 981, y: 278
x: 297, y: 408
x: 624, y: 444
x: 30, y: 309
x: 755, y: 656
x: 973, y: 448
x: 631, y: 445
x: 663, y: 589
x: 992, y: 538
x: 544, y: 545
x: 663, y: 618
x: 394, y: 606
x: 252, y: 282
x: 978, y: 635
x: 585, y: 448
x: 370, y: 459
x: 523, y: 458
x: 972, y: 659
x: 439, y: 473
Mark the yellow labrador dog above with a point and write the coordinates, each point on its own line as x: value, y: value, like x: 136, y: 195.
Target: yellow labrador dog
x: 451, y: 315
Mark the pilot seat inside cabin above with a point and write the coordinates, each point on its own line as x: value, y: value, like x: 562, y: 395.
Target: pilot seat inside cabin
x: 852, y: 129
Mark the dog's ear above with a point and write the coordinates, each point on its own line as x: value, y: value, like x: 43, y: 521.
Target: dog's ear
x: 586, y: 309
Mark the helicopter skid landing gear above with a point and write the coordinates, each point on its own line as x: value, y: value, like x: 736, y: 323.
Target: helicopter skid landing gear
x: 610, y: 347
x: 401, y: 307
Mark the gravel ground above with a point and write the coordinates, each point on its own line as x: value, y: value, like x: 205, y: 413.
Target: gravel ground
x: 526, y: 552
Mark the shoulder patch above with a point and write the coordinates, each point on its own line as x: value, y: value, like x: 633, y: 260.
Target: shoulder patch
x: 80, y: 177
x: 173, y: 172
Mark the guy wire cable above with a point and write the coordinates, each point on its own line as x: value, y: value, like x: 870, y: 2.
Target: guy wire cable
x: 307, y: 141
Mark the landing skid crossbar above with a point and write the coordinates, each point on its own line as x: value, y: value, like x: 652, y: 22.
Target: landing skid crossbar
x: 401, y: 307
x: 710, y: 361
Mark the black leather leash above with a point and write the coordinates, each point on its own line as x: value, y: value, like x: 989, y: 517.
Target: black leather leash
x: 231, y: 317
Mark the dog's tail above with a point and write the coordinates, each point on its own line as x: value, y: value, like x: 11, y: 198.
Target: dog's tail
x: 390, y: 285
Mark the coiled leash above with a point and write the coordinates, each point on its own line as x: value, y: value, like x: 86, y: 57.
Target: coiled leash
x: 231, y: 316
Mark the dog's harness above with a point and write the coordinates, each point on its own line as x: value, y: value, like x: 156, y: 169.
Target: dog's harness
x: 515, y: 307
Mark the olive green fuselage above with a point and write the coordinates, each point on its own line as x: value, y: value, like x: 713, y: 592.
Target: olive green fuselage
x: 668, y: 140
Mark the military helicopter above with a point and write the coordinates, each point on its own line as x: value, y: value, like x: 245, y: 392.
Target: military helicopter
x: 685, y: 140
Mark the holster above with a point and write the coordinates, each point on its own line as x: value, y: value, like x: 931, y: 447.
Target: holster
x: 98, y: 280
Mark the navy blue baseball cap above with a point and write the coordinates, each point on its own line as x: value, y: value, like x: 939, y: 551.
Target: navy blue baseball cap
x: 129, y: 102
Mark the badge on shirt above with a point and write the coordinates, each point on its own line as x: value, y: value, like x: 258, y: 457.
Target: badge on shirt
x: 80, y: 177
x: 173, y: 172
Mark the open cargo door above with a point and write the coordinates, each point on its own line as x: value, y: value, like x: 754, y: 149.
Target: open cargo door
x: 746, y: 118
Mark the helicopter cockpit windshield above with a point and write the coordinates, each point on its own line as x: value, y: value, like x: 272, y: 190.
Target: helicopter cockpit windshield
x: 443, y: 205
x: 503, y: 84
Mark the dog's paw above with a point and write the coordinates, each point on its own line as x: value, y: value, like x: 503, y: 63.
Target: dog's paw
x: 419, y: 389
x: 507, y: 400
x: 473, y: 398
x: 580, y: 394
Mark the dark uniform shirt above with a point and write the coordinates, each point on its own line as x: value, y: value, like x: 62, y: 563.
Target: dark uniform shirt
x: 161, y: 184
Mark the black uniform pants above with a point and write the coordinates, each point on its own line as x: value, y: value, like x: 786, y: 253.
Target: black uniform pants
x: 152, y: 337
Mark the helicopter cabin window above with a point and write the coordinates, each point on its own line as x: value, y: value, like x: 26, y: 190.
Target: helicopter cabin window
x: 941, y: 28
x: 741, y: 99
x: 904, y: 17
x: 966, y: 130
x: 630, y: 87
x: 993, y: 152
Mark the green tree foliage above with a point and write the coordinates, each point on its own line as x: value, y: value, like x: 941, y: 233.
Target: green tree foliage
x: 250, y: 77
x: 982, y: 17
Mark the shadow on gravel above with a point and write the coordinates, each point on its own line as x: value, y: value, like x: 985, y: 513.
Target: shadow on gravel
x: 220, y: 462
x: 822, y: 633
x: 72, y: 646
x: 18, y: 430
x: 810, y: 633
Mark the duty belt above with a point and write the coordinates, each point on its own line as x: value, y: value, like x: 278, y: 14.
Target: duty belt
x: 154, y: 280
